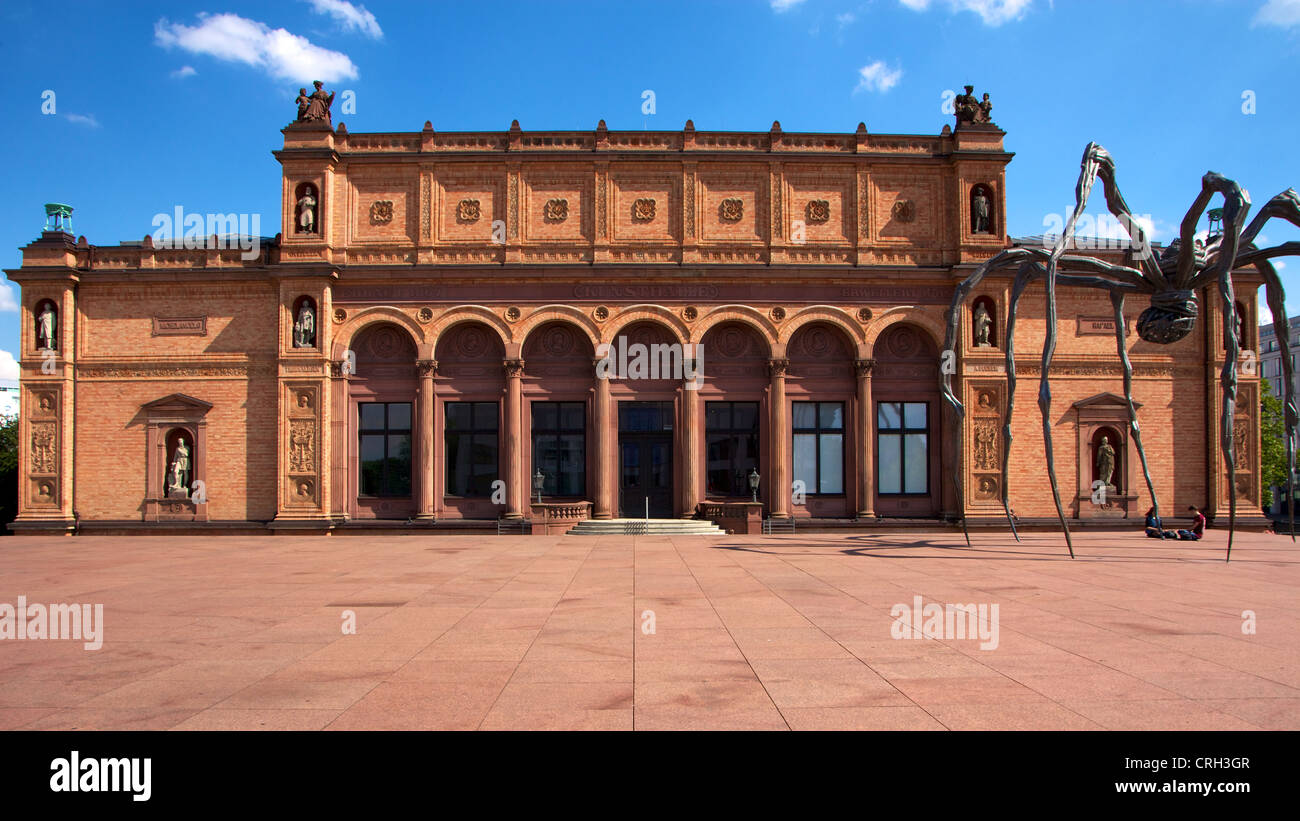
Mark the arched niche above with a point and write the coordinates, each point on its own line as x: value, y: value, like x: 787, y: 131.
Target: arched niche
x: 978, y: 327
x: 983, y: 219
x: 306, y: 209
x: 45, y: 325
x: 305, y: 323
x: 1114, y: 439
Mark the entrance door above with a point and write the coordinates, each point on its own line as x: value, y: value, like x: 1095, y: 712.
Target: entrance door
x: 645, y: 459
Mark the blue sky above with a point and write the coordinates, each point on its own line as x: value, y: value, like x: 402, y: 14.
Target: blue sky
x: 180, y: 103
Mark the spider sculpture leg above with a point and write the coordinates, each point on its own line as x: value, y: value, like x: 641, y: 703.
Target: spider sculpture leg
x: 1117, y: 302
x: 1024, y: 276
x: 1286, y: 206
x: 1236, y: 204
x: 1096, y: 163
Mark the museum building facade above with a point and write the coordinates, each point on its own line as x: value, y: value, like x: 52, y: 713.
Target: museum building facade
x: 451, y: 327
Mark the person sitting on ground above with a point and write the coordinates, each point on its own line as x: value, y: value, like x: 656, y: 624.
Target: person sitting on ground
x: 1198, y: 526
x: 1156, y: 530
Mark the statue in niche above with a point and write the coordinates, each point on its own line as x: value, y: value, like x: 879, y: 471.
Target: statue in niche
x: 307, y: 212
x: 304, y: 327
x: 47, y: 329
x: 1105, y: 462
x: 983, y: 327
x: 178, y: 473
x: 979, y: 213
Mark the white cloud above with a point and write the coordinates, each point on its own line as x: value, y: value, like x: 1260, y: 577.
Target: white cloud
x: 8, y: 370
x: 1278, y: 13
x: 992, y: 12
x: 236, y: 39
x: 845, y: 19
x: 877, y: 77
x: 349, y: 16
x: 8, y: 302
x: 183, y: 72
x: 1279, y: 264
x: 779, y: 6
x: 83, y: 119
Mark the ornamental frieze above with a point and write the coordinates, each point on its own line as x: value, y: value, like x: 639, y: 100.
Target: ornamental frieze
x: 302, y: 446
x: 43, y: 456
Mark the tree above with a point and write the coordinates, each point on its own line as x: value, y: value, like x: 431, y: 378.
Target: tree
x: 8, y: 470
x: 1272, y: 450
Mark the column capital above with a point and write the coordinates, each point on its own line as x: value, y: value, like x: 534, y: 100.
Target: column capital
x: 426, y: 367
x: 514, y: 368
x: 863, y: 366
x: 777, y: 367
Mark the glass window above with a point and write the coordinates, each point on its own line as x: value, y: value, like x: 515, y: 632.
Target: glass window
x: 819, y: 446
x: 560, y: 447
x: 902, y: 447
x: 731, y: 437
x: 385, y: 448
x: 471, y: 438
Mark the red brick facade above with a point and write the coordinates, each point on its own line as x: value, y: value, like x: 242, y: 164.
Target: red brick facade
x: 491, y: 267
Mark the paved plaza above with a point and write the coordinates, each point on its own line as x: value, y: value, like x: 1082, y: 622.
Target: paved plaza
x: 651, y: 632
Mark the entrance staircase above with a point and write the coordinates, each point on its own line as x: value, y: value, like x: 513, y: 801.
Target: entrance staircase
x: 646, y: 527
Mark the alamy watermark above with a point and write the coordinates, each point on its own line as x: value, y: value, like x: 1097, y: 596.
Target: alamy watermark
x: 210, y: 231
x: 27, y: 622
x: 946, y: 621
x: 654, y: 361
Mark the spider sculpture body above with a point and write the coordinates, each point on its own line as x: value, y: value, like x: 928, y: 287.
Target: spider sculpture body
x: 1172, y: 281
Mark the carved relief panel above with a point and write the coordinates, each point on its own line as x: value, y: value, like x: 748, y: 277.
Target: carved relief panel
x: 42, y: 454
x: 382, y: 205
x: 985, y: 407
x: 733, y: 203
x: 302, y: 447
x: 470, y: 198
x: 905, y: 209
x: 822, y: 197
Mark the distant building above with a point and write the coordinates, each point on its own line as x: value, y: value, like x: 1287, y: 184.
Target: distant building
x: 1270, y: 355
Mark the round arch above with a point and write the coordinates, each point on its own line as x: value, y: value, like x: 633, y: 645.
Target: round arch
x: 557, y: 313
x: 350, y: 329
x: 468, y: 313
x: 645, y: 313
x: 736, y: 313
x: 823, y: 313
x: 909, y: 315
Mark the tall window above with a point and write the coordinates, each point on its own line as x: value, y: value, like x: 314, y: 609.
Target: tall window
x: 385, y: 429
x: 471, y: 433
x: 819, y: 446
x: 560, y: 447
x: 903, y: 447
x: 731, y: 436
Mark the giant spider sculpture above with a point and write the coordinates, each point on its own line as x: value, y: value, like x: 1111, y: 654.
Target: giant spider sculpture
x: 1172, y: 280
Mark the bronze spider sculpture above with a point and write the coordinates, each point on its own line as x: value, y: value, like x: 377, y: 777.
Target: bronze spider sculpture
x: 1172, y: 280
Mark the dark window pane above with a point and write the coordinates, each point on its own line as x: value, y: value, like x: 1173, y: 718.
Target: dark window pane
x: 399, y: 416
x: 372, y: 416
x: 717, y: 416
x: 745, y: 416
x: 485, y: 416
x: 573, y: 416
x: 458, y: 415
x: 372, y: 466
x: 544, y: 416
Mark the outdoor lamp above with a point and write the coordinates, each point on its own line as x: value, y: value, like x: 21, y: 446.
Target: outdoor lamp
x: 753, y: 483
x: 539, y: 479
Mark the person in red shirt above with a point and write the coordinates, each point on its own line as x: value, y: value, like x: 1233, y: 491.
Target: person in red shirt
x: 1198, y: 526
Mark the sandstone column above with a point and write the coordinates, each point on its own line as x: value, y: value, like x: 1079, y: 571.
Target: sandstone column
x: 601, y: 416
x: 426, y: 368
x: 778, y: 490
x: 513, y: 477
x: 691, y: 449
x: 866, y: 443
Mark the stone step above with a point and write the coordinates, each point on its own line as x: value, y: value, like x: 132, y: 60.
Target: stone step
x: 647, y: 527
